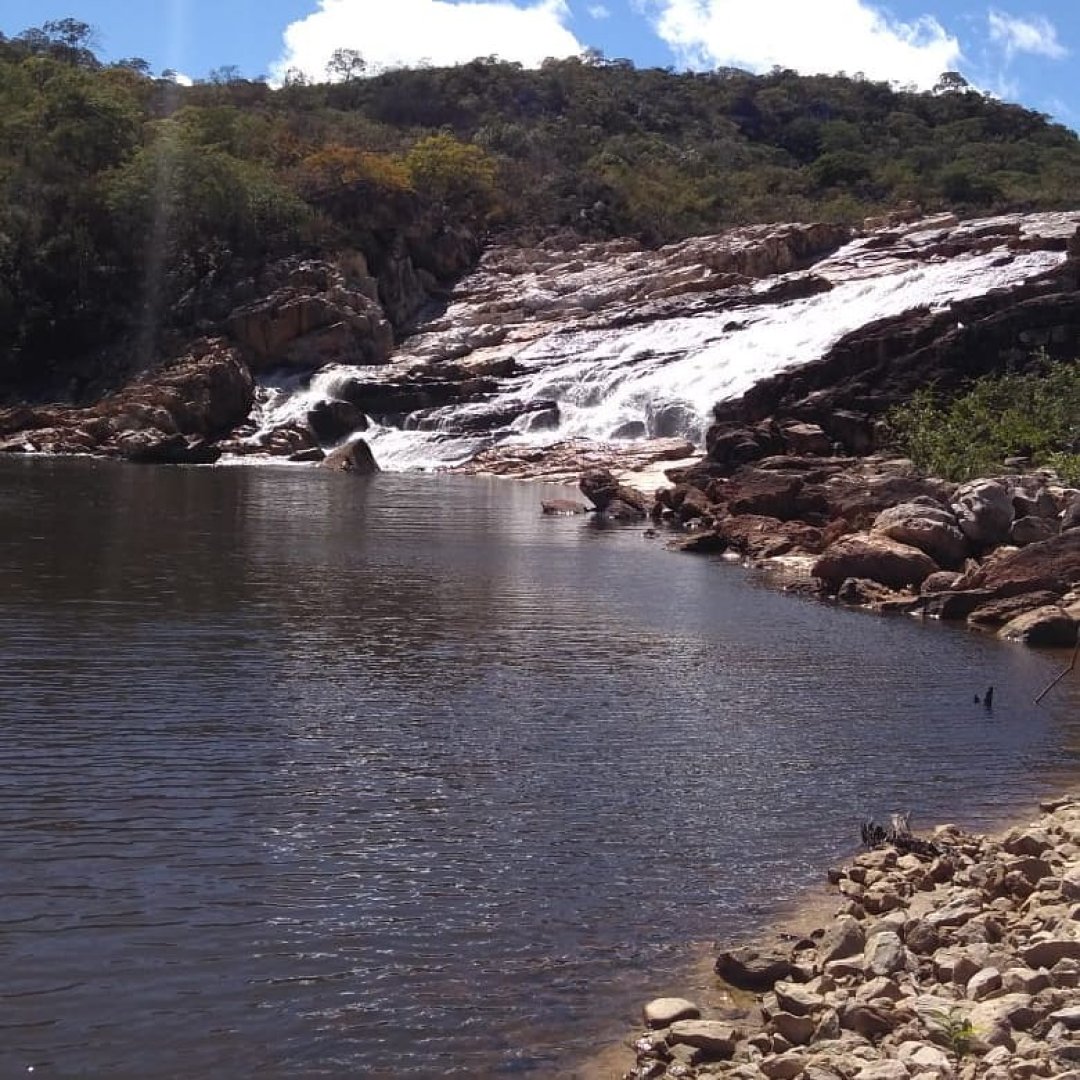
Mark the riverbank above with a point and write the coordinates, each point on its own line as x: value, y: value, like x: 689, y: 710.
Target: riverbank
x: 957, y: 955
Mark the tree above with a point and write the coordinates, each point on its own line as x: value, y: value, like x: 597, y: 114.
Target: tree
x: 345, y: 65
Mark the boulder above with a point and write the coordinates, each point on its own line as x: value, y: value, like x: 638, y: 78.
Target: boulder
x: 354, y: 457
x: 766, y: 494
x: 1030, y: 530
x: 1053, y: 565
x: 605, y: 492
x: 995, y: 613
x: 875, y: 557
x: 984, y: 511
x: 714, y: 1038
x: 662, y: 1012
x: 747, y: 968
x: 1045, y: 627
x: 332, y: 420
x: 927, y: 526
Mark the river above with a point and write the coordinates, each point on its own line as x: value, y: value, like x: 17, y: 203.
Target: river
x: 306, y: 775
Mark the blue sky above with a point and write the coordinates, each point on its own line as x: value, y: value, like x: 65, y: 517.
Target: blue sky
x: 1019, y: 51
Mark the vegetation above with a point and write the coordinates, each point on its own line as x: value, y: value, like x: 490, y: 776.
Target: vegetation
x: 121, y: 193
x: 1035, y: 415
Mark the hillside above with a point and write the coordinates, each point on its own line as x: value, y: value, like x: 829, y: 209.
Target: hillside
x: 135, y: 212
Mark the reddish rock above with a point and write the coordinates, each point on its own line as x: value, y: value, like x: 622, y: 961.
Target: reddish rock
x: 1048, y: 627
x: 768, y: 494
x: 874, y: 557
x: 1052, y: 565
x: 996, y: 613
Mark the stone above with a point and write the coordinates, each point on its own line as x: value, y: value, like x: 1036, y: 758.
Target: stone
x: 1024, y: 981
x: 1045, y: 627
x: 331, y: 421
x: 603, y: 490
x: 353, y: 457
x: 869, y: 1021
x: 984, y: 512
x: 662, y: 1012
x: 1031, y: 841
x: 797, y: 999
x: 798, y: 1030
x: 885, y: 954
x: 716, y: 1039
x: 844, y: 937
x: 875, y: 557
x: 892, y: 1069
x: 1031, y: 530
x: 748, y: 968
x: 563, y: 507
x: 921, y: 937
x: 920, y: 1057
x: 984, y: 984
x: 1050, y: 951
x: 783, y: 1066
x: 928, y: 526
x: 1052, y: 565
x: 1069, y: 1016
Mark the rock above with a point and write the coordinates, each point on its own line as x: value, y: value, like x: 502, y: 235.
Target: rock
x: 873, y: 557
x: 984, y: 984
x: 1047, y: 953
x: 928, y: 526
x: 995, y: 613
x: 844, y: 937
x: 798, y: 1030
x: 885, y: 954
x: 767, y: 494
x: 1052, y: 565
x: 797, y: 999
x: 315, y: 319
x: 1047, y: 627
x: 870, y: 1021
x: 805, y: 439
x: 313, y: 453
x: 333, y: 420
x: 747, y: 968
x: 563, y: 507
x: 354, y: 456
x: 921, y: 1058
x: 984, y: 512
x: 783, y: 1066
x: 883, y: 1070
x: 942, y: 581
x: 601, y: 488
x: 716, y: 1039
x: 151, y: 448
x: 662, y: 1012
x: 1031, y: 530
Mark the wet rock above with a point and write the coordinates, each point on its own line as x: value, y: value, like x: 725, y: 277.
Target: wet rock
x: 609, y: 496
x: 333, y: 420
x: 353, y: 457
x: 563, y: 507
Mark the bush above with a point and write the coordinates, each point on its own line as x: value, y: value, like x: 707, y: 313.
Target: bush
x: 1034, y: 415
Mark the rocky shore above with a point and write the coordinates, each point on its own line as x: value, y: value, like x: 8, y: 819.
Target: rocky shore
x: 955, y: 955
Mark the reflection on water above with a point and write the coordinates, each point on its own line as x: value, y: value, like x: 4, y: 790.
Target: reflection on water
x: 320, y: 776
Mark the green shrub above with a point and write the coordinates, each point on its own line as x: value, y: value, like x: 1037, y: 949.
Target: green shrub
x: 1035, y: 415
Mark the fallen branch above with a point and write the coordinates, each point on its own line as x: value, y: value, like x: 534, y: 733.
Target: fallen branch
x: 1054, y: 682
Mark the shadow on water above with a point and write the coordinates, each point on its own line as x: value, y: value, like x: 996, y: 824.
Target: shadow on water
x: 319, y: 777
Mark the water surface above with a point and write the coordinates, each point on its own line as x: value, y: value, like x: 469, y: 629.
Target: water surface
x: 307, y: 775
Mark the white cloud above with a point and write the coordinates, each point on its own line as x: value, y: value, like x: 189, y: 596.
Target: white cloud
x: 824, y: 36
x: 407, y: 32
x: 1036, y: 35
x: 599, y: 11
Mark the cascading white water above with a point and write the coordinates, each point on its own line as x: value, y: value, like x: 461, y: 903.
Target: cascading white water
x: 664, y: 376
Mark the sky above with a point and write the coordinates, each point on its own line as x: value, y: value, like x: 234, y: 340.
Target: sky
x: 1016, y: 50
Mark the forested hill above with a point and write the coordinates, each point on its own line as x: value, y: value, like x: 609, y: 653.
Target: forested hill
x: 123, y: 195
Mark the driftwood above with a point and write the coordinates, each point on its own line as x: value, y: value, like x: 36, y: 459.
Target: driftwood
x: 1072, y: 664
x: 898, y: 834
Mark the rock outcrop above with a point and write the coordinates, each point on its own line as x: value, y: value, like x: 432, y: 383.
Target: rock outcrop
x: 956, y: 959
x: 169, y: 416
